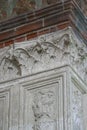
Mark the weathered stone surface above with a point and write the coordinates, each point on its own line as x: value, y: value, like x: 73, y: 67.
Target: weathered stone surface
x: 50, y: 100
x: 77, y: 114
x: 43, y: 83
x: 44, y: 53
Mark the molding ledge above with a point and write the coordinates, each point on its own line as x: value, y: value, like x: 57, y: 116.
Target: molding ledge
x: 59, y: 15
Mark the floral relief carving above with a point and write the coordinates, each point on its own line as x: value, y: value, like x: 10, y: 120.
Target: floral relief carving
x: 78, y: 58
x: 22, y: 60
x: 44, y: 53
x: 44, y: 110
x: 51, y: 49
x: 10, y: 64
x: 77, y: 109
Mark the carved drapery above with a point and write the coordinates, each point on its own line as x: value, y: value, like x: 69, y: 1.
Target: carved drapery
x: 44, y: 53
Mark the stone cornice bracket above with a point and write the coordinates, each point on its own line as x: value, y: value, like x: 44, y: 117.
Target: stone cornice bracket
x: 46, y: 52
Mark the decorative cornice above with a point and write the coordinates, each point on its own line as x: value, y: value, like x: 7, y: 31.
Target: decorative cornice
x: 43, y: 53
x: 52, y: 15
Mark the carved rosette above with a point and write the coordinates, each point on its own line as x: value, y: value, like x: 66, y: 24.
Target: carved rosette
x: 46, y: 52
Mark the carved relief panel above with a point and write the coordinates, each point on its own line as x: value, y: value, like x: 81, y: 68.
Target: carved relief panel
x: 77, y: 108
x: 41, y: 109
x: 42, y: 105
x: 45, y: 101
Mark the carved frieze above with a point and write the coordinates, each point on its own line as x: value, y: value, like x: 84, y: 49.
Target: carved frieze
x: 40, y: 107
x: 44, y: 53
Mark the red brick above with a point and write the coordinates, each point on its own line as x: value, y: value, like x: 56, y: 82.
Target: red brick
x: 63, y: 25
x: 20, y: 39
x: 29, y: 27
x: 56, y: 15
x: 55, y: 19
x: 52, y: 29
x: 6, y: 35
x: 31, y: 35
x: 1, y: 45
x: 45, y: 31
x: 9, y: 43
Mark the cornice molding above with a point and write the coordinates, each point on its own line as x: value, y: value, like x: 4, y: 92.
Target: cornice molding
x: 68, y: 11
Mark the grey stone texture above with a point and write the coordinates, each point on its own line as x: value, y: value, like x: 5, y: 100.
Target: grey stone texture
x: 43, y: 83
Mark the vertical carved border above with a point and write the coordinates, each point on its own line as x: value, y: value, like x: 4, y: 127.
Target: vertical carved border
x: 5, y: 99
x: 78, y: 90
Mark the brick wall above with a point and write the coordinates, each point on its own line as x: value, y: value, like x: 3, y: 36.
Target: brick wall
x: 51, y: 18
